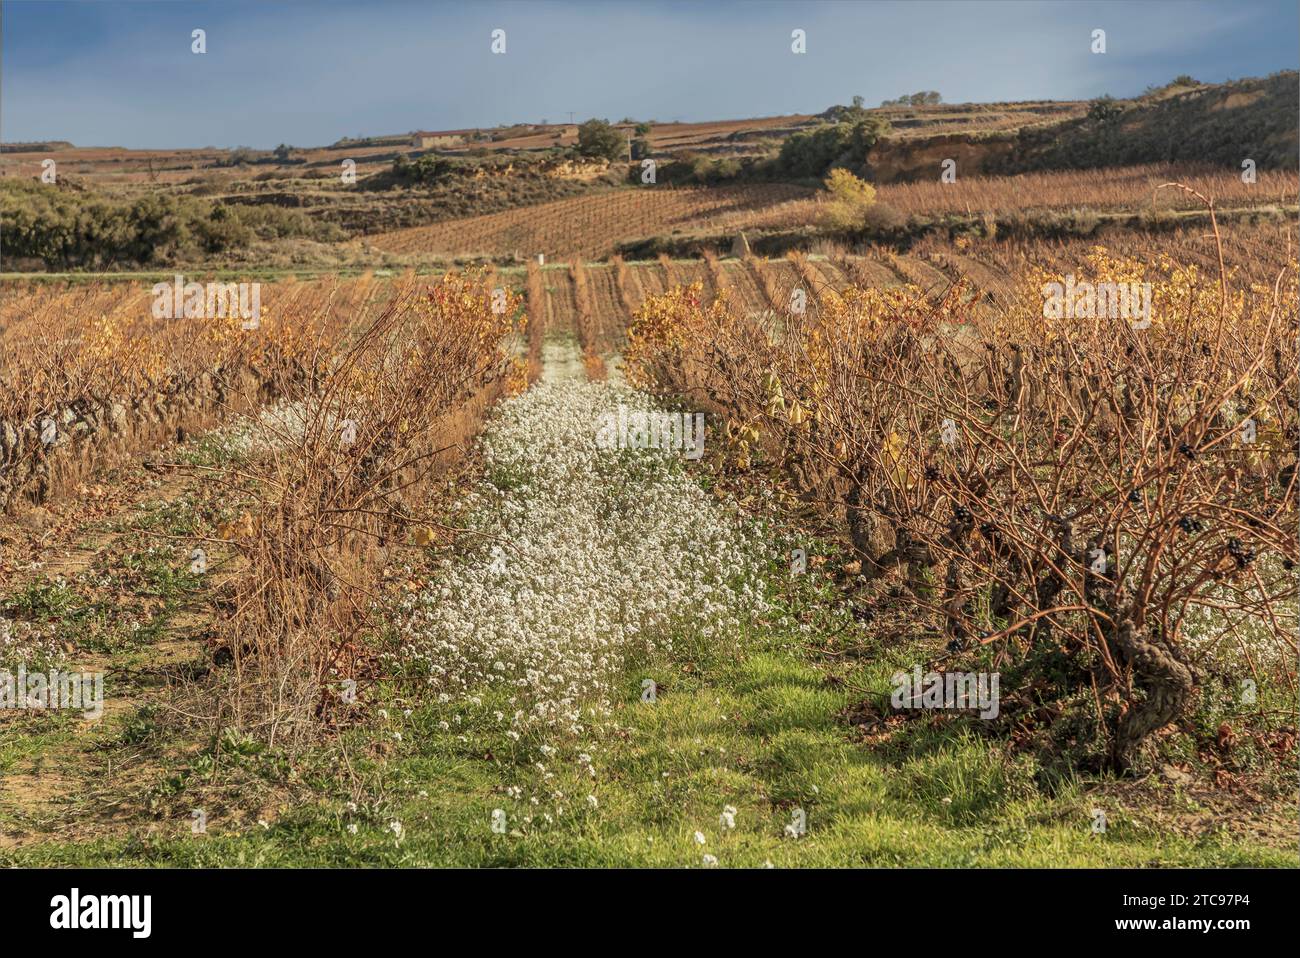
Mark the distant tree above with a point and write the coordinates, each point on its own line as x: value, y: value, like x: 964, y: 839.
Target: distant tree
x: 157, y: 228
x: 810, y: 153
x: 427, y: 170
x: 923, y: 98
x: 221, y: 230
x: 281, y: 152
x: 640, y: 148
x: 598, y: 138
x: 727, y: 168
x: 1104, y: 109
x: 855, y: 113
x: 643, y: 129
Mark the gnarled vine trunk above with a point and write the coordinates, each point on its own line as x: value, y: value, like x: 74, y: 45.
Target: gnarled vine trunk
x: 1166, y: 684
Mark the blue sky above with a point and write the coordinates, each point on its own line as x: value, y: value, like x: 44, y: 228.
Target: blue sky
x: 308, y: 72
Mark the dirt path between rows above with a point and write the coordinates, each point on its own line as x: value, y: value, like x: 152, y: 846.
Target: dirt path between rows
x: 65, y: 775
x: 562, y: 361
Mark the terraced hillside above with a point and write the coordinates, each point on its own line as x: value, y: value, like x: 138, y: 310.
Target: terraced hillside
x: 592, y: 226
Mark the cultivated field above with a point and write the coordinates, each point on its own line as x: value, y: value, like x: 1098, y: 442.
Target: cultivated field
x: 102, y: 573
x: 592, y: 226
x: 538, y: 516
x: 1125, y: 188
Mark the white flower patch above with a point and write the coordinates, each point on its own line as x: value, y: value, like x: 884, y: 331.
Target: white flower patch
x: 587, y: 554
x: 25, y: 644
x: 728, y: 817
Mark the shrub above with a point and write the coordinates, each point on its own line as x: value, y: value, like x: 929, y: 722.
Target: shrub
x: 86, y: 230
x: 810, y: 153
x: 598, y: 138
x: 851, y: 199
x: 1104, y: 109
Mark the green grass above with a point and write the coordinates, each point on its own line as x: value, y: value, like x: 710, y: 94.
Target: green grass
x: 41, y: 600
x: 107, y: 618
x: 758, y: 731
x: 757, y: 724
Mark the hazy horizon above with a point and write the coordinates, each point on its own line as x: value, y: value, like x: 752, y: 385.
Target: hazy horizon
x: 307, y: 74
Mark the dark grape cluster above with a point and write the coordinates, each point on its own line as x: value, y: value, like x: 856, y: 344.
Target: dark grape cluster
x: 1243, y: 557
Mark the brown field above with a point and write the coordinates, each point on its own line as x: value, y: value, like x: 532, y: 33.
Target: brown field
x: 1252, y: 254
x: 797, y: 509
x: 111, y: 166
x: 1123, y: 188
x: 592, y: 226
x: 1255, y: 253
x: 134, y: 170
x: 1129, y: 189
x: 908, y: 122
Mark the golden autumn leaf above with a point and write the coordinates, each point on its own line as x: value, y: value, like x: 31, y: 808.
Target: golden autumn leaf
x: 893, y: 453
x: 242, y: 527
